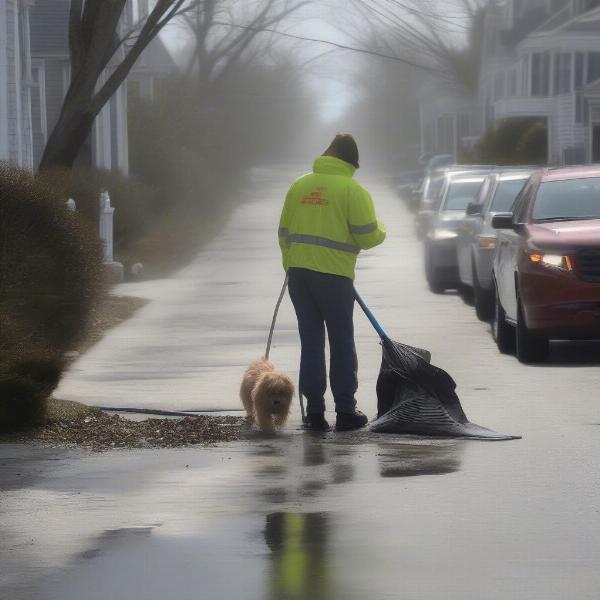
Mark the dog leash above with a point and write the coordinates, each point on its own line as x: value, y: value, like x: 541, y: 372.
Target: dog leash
x: 279, y: 301
x: 270, y: 339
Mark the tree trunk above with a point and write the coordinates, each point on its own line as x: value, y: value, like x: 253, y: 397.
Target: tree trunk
x: 68, y: 136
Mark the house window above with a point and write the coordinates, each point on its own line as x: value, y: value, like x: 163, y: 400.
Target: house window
x: 540, y: 74
x: 512, y: 83
x: 562, y: 73
x: 579, y: 69
x: 582, y: 110
x: 429, y: 138
x: 524, y: 78
x: 39, y: 92
x: 114, y: 132
x: 490, y: 114
x: 499, y: 87
x: 593, y: 70
x: 445, y: 134
x: 463, y: 126
x: 66, y: 78
x: 24, y: 44
x: 39, y: 121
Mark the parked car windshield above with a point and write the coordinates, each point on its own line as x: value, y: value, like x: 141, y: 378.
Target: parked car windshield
x: 506, y: 193
x: 568, y: 200
x: 432, y: 193
x: 435, y: 188
x: 460, y: 194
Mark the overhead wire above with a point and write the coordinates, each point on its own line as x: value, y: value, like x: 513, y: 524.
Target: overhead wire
x: 331, y: 43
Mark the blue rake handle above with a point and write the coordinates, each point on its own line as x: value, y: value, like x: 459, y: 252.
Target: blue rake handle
x: 378, y: 328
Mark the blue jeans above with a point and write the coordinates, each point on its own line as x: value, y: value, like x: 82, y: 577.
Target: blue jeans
x: 322, y: 300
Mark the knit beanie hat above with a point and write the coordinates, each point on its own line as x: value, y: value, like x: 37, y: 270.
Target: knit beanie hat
x: 344, y: 147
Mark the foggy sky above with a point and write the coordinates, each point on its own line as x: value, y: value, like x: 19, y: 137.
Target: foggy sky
x: 328, y: 76
x: 331, y: 72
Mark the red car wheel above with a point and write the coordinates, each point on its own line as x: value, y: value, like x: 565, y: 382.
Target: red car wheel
x: 503, y: 333
x: 531, y: 347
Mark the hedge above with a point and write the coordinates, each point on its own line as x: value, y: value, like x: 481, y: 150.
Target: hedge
x: 50, y: 280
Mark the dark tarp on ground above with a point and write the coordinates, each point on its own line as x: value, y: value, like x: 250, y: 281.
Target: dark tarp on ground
x: 418, y: 398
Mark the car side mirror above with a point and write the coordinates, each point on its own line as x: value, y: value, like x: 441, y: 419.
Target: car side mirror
x: 503, y: 221
x: 473, y: 209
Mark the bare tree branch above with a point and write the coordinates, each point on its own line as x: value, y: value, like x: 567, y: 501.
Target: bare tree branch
x: 336, y: 45
x: 444, y: 35
x: 213, y: 56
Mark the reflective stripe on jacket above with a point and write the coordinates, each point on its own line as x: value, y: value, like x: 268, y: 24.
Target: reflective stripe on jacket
x: 327, y: 219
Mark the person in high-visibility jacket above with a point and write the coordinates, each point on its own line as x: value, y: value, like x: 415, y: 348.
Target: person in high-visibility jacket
x: 327, y: 219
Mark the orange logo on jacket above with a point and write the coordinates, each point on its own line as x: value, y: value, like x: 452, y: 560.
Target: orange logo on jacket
x: 316, y: 198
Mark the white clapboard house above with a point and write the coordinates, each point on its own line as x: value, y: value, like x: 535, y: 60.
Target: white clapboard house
x: 541, y: 59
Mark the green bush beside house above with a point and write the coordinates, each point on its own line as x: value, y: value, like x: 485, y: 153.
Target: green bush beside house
x: 50, y: 280
x: 514, y: 141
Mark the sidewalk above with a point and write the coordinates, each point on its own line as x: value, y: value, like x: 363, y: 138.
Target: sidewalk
x: 188, y: 347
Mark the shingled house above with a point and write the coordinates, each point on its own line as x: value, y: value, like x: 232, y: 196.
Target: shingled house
x: 34, y: 78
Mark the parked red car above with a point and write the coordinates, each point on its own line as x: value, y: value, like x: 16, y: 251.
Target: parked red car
x: 547, y: 263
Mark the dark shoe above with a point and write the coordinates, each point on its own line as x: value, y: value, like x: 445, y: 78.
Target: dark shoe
x: 316, y: 422
x: 348, y: 421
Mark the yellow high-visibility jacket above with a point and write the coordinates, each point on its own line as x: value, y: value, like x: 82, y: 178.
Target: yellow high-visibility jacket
x: 327, y: 219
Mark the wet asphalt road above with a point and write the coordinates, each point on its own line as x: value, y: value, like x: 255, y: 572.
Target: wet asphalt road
x: 299, y: 517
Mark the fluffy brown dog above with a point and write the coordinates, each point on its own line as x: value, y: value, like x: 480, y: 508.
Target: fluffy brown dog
x: 266, y: 395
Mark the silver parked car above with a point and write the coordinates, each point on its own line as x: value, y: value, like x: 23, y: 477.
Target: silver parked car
x: 429, y: 199
x: 431, y: 190
x: 441, y: 265
x: 476, y: 240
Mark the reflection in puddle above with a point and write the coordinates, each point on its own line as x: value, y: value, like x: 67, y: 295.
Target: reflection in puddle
x: 108, y: 539
x: 313, y: 452
x: 264, y: 450
x: 271, y: 471
x: 413, y: 460
x: 342, y: 473
x: 300, y: 568
x: 275, y: 495
x: 311, y: 488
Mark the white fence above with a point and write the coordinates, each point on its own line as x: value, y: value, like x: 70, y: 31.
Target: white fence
x: 106, y: 226
x: 106, y: 233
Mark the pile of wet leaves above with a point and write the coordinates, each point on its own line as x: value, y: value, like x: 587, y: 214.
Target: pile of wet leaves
x: 72, y: 426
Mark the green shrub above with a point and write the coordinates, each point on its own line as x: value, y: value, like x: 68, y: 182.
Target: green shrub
x: 533, y: 145
x: 21, y: 403
x: 50, y: 279
x: 514, y: 141
x: 26, y: 381
x: 42, y: 370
